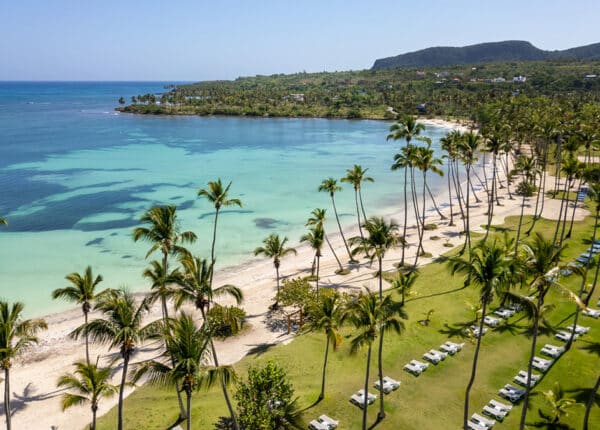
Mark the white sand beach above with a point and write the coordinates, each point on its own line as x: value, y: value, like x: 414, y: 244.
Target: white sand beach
x: 36, y: 399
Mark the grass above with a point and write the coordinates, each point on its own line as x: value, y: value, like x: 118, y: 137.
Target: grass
x: 433, y: 400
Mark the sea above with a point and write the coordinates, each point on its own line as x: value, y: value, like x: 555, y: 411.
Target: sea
x: 76, y: 176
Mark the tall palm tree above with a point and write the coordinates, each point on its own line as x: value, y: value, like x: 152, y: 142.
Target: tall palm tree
x: 83, y: 292
x: 448, y: 144
x: 121, y: 327
x: 406, y: 128
x: 528, y: 169
x: 542, y: 264
x: 196, y: 287
x: 275, y: 248
x: 404, y: 282
x: 315, y: 239
x: 330, y: 186
x: 468, y: 147
x: 325, y: 316
x: 217, y: 195
x: 356, y: 176
x: 318, y: 219
x: 88, y: 384
x: 488, y: 268
x: 371, y: 316
x: 16, y: 335
x: 188, y: 345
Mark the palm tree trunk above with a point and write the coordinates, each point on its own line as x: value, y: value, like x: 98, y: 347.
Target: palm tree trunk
x: 358, y: 214
x: 362, y: 206
x: 574, y: 209
x: 365, y: 400
x: 590, y: 403
x: 7, y: 397
x: 416, y: 208
x: 474, y: 367
x: 188, y: 395
x: 318, y: 264
x: 337, y: 218
x: 507, y: 176
x: 491, y: 199
x: 566, y: 199
x: 93, y: 424
x: 530, y: 364
x: 404, y: 242
x: 422, y: 232
x: 451, y: 223
x: 437, y: 209
x: 467, y: 227
x: 212, y: 248
x: 333, y: 252
x: 122, y: 390
x: 380, y: 276
x: 519, y: 226
x: 277, y: 276
x: 322, y: 395
x: 87, y: 341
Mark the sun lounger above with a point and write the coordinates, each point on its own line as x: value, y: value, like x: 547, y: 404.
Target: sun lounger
x: 420, y: 364
x: 582, y: 260
x: 389, y: 385
x: 473, y: 426
x: 515, y: 307
x: 434, y: 358
x: 504, y: 312
x: 541, y: 364
x: 411, y: 368
x: 458, y: 346
x: 475, y: 330
x: 330, y: 422
x: 521, y: 378
x: 594, y: 313
x: 491, y: 321
x: 318, y: 425
x: 440, y: 354
x: 565, y: 336
x: 448, y: 349
x: 552, y: 351
x: 360, y: 400
x: 482, y: 421
x: 580, y: 330
x: 494, y: 413
x: 566, y: 272
x: 512, y: 393
x: 499, y: 405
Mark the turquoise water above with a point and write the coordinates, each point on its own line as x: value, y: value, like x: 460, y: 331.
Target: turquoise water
x: 75, y: 177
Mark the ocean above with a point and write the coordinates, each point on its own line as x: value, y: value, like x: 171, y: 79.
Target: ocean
x: 75, y: 177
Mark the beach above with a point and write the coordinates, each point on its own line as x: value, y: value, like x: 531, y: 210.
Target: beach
x: 36, y: 399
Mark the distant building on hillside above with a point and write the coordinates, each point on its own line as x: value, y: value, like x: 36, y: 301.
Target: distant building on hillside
x: 519, y: 79
x: 590, y: 76
x: 422, y: 108
x: 499, y: 79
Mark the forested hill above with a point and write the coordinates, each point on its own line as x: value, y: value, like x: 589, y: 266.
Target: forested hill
x: 511, y: 50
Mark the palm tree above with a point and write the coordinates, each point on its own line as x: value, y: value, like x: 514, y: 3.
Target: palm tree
x: 315, y: 239
x: 325, y: 316
x: 16, y: 335
x: 356, y: 176
x: 448, y: 144
x: 216, y: 195
x: 196, y: 287
x: 275, y: 248
x: 527, y: 167
x: 83, y: 292
x: 542, y: 264
x: 406, y: 128
x: 559, y: 405
x: 404, y: 282
x: 89, y: 384
x: 403, y: 160
x: 370, y: 316
x: 318, y: 219
x: 121, y: 327
x: 3, y: 221
x: 330, y: 186
x: 468, y: 147
x: 488, y: 267
x: 187, y: 344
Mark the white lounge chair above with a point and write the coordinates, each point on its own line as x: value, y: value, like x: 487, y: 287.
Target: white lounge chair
x: 491, y: 321
x: 475, y: 330
x: 330, y: 422
x: 389, y: 385
x: 499, y: 405
x: 473, y: 426
x: 458, y: 346
x: 552, y: 351
x: 594, y: 313
x: 482, y: 421
x: 541, y: 364
x: 435, y: 359
x: 420, y: 364
x: 512, y: 393
x: 580, y: 330
x: 392, y: 382
x: 411, y: 368
x: 361, y: 400
x: 441, y: 354
x: 318, y: 425
x: 521, y: 378
x: 565, y: 336
x: 504, y: 312
x: 448, y: 349
x: 494, y: 413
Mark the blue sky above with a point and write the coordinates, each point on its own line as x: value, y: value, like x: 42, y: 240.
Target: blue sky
x: 181, y: 40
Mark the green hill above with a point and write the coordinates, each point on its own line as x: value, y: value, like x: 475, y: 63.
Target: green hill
x: 510, y: 50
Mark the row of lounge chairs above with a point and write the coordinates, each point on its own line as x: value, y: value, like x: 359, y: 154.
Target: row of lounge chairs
x: 494, y: 409
x: 583, y: 259
x: 361, y: 400
x: 576, y: 331
x: 433, y: 356
x: 323, y: 423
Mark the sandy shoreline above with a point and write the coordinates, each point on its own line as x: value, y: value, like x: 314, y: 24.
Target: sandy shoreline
x: 33, y: 378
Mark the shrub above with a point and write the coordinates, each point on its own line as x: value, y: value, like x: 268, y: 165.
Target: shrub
x: 525, y: 189
x: 429, y: 227
x: 226, y: 320
x: 296, y: 292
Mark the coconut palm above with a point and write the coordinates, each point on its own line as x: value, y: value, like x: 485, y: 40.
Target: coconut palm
x: 488, y: 268
x: 330, y: 186
x: 196, y: 287
x: 187, y: 344
x: 120, y: 328
x: 88, y: 384
x: 217, y: 195
x: 559, y: 405
x: 325, y: 316
x: 356, y: 176
x: 448, y: 144
x: 467, y: 147
x: 528, y: 169
x: 16, y: 336
x: 371, y: 316
x: 318, y: 219
x: 404, y: 282
x: 275, y: 248
x: 83, y: 292
x: 542, y: 264
x: 315, y: 239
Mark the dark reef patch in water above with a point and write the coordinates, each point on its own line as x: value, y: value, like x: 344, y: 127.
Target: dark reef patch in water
x: 127, y: 256
x: 229, y: 211
x: 96, y: 241
x: 267, y: 223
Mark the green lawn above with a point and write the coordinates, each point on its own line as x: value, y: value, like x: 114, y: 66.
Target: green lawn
x: 433, y: 400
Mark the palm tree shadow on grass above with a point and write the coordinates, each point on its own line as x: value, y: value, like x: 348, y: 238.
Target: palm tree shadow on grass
x: 260, y: 349
x: 582, y: 395
x: 591, y: 347
x: 441, y: 293
x: 457, y: 330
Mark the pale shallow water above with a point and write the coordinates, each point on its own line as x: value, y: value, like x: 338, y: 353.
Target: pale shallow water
x: 75, y: 178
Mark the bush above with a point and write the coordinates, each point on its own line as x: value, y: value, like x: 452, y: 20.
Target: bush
x: 296, y: 292
x: 429, y: 227
x: 226, y: 320
x: 525, y: 189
